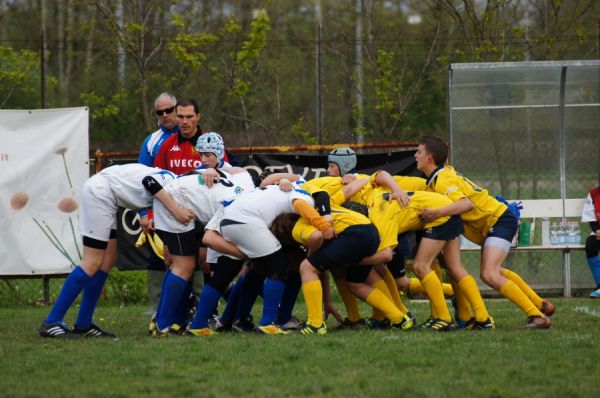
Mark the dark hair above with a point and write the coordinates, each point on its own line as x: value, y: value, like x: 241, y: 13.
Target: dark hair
x: 282, y: 229
x: 436, y: 147
x: 189, y: 102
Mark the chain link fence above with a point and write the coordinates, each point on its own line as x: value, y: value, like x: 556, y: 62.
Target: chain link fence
x: 529, y: 130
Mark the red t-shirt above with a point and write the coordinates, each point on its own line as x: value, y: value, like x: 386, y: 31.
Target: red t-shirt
x: 178, y: 154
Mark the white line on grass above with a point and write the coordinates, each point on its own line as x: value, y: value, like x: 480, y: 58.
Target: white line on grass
x: 587, y: 310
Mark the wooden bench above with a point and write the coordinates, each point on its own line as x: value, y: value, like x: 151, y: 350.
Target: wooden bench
x: 554, y: 209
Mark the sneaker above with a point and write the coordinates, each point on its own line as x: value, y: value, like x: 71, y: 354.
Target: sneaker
x: 538, y: 322
x: 405, y: 324
x: 173, y: 330
x: 594, y: 294
x: 243, y: 325
x: 548, y: 308
x: 222, y: 326
x: 56, y: 330
x: 460, y: 324
x: 293, y: 324
x: 202, y: 332
x: 270, y: 329
x: 93, y: 331
x: 152, y: 326
x: 377, y: 324
x: 347, y: 324
x: 310, y: 329
x: 474, y: 324
x: 412, y: 317
x: 440, y: 325
x: 427, y: 323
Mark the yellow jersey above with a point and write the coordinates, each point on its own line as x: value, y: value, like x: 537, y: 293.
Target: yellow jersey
x: 486, y: 211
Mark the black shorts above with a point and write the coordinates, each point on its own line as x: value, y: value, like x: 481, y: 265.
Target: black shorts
x: 447, y: 231
x: 347, y: 249
x: 505, y: 228
x: 183, y: 244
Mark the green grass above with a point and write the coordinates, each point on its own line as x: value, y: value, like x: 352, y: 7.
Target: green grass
x: 507, y: 362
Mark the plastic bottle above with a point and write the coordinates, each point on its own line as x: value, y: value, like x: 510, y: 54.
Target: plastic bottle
x: 554, y: 233
x: 545, y: 231
x: 561, y: 238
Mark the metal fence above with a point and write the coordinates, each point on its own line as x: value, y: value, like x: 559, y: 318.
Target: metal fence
x: 529, y: 130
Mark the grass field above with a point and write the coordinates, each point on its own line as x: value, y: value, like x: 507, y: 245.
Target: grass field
x: 506, y: 362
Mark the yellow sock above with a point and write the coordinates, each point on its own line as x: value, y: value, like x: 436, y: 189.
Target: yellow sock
x: 436, y: 267
x: 448, y: 290
x: 416, y: 286
x: 511, y: 291
x: 378, y: 300
x: 469, y: 288
x: 350, y: 301
x: 464, y: 308
x: 313, y: 297
x: 529, y: 292
x: 383, y: 288
x: 434, y: 291
x: 393, y: 289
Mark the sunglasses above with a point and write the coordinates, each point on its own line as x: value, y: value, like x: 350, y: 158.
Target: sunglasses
x: 162, y: 111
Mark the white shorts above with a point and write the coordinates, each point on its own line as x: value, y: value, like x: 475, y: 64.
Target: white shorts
x: 254, y: 240
x: 164, y: 220
x: 98, y: 212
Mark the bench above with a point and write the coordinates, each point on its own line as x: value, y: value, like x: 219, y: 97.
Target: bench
x: 553, y: 209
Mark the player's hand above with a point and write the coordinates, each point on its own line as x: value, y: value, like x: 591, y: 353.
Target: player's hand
x: 428, y: 215
x: 348, y: 178
x: 401, y: 197
x: 597, y: 233
x: 329, y: 233
x: 210, y: 176
x: 286, y: 185
x: 184, y: 216
x: 329, y: 309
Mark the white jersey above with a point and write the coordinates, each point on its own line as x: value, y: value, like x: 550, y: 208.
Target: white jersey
x: 112, y: 187
x: 126, y: 183
x: 588, y: 213
x: 264, y: 204
x: 189, y: 191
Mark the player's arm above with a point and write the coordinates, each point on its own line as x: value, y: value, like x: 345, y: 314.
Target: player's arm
x: 350, y: 190
x: 305, y: 210
x: 461, y: 206
x: 274, y: 178
x: 154, y: 188
x: 383, y: 178
x: 216, y: 242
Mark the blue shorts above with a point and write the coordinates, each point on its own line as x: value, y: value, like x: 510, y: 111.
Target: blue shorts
x: 447, y: 231
x: 505, y: 228
x: 347, y: 249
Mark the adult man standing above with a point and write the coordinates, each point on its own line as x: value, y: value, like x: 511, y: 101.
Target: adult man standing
x: 164, y: 108
x: 178, y: 153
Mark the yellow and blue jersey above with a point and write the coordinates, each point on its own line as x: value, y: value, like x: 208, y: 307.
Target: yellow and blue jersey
x: 478, y: 221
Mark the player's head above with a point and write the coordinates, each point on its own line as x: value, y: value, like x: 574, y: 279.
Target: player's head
x: 432, y: 150
x: 341, y: 162
x: 164, y: 108
x: 211, y: 143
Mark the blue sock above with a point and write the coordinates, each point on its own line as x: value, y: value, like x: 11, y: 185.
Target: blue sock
x: 232, y: 301
x: 91, y: 294
x: 209, y: 298
x: 74, y: 284
x: 594, y: 263
x: 251, y: 288
x: 184, y: 305
x: 162, y: 289
x: 272, y: 294
x: 290, y: 294
x: 169, y: 309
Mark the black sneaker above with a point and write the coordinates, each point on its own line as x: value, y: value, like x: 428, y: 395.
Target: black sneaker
x: 440, y: 325
x: 474, y: 324
x: 221, y: 326
x: 243, y: 325
x: 56, y: 330
x: 92, y: 331
x: 427, y: 323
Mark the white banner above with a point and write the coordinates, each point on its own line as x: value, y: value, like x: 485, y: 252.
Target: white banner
x: 44, y: 161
